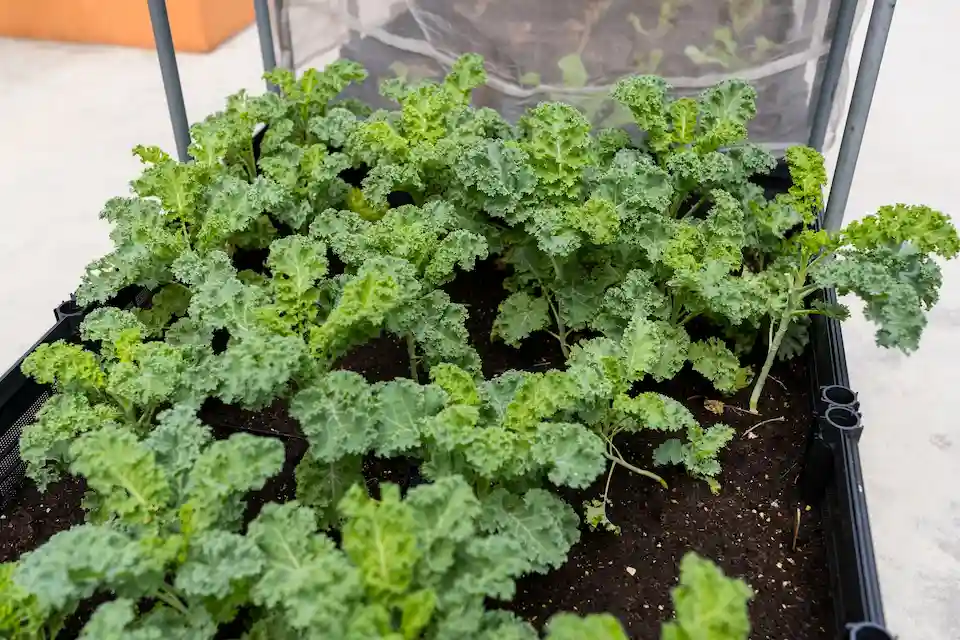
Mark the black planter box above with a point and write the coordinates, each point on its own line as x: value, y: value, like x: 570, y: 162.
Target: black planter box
x: 832, y: 472
x: 831, y: 477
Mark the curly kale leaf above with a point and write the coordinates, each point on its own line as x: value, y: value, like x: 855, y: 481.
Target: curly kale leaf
x: 569, y: 626
x: 63, y: 418
x: 69, y: 368
x: 707, y: 603
x: 519, y: 315
x: 713, y: 360
x: 698, y: 455
x: 305, y: 576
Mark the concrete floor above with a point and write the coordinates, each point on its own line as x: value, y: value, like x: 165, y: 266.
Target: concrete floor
x: 73, y: 113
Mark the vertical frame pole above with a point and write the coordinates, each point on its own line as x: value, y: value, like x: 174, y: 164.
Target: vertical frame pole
x: 163, y: 39
x: 881, y: 18
x: 264, y: 30
x: 830, y: 81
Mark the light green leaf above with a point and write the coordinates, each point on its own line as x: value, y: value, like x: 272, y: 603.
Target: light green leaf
x: 708, y: 604
x: 123, y: 472
x: 569, y: 626
x: 380, y: 538
x: 714, y: 361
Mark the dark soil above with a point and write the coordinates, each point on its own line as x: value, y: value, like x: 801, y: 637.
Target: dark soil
x: 31, y: 519
x: 747, y: 529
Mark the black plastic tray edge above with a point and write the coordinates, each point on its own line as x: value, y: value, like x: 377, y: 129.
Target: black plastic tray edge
x: 853, y: 567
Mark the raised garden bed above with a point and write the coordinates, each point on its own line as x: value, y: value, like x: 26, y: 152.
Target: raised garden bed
x: 394, y: 274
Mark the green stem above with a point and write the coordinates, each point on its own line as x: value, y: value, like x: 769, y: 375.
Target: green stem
x: 606, y: 488
x: 146, y: 417
x: 772, y: 350
x: 250, y: 162
x: 677, y: 202
x: 561, y: 334
x: 643, y: 472
x: 696, y: 206
x: 687, y: 318
x: 166, y: 596
x: 412, y: 354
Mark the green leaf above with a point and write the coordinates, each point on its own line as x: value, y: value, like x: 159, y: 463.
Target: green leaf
x: 556, y: 138
x: 573, y: 454
x: 123, y: 472
x: 321, y: 485
x: 458, y: 384
x: 574, y: 73
x: 725, y: 110
x: 177, y: 442
x: 495, y: 176
x: 656, y: 411
x: 113, y: 328
x: 646, y: 98
x: 337, y: 414
x: 305, y: 575
x: 714, y: 361
x: 379, y: 536
x: 256, y: 368
x: 217, y: 564
x: 225, y: 471
x: 460, y: 248
x: 67, y: 367
x: 445, y: 513
x: 541, y: 524
x: 378, y: 288
x: 520, y: 315
x: 569, y: 626
x: 74, y: 564
x: 402, y: 408
x: 20, y: 612
x: 145, y: 244
x: 654, y: 347
x: 708, y: 604
x: 62, y: 419
x: 172, y: 301
x: 928, y: 230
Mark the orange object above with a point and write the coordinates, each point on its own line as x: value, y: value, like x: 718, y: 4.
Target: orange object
x: 197, y: 25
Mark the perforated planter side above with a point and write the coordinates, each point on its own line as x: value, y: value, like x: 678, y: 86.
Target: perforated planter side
x: 21, y: 397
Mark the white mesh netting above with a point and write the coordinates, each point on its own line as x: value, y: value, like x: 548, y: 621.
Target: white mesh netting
x: 573, y: 50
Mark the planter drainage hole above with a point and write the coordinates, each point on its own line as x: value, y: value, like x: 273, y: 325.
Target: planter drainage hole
x: 843, y: 418
x: 837, y: 394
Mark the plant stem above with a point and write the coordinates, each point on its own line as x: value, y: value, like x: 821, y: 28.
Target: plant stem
x: 696, y: 206
x: 561, y: 334
x: 164, y: 595
x: 606, y: 488
x: 412, y: 354
x: 772, y: 350
x: 643, y: 472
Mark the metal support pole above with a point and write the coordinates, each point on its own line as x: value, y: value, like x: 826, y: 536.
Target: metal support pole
x: 264, y: 30
x: 830, y: 81
x: 163, y: 39
x: 877, y: 31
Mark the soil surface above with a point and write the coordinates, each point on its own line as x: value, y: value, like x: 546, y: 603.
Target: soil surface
x: 748, y: 528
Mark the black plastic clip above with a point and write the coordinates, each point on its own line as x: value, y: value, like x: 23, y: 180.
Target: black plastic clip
x: 837, y: 417
x: 867, y: 631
